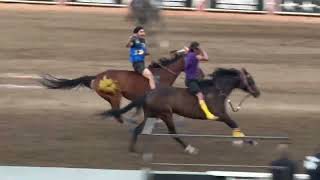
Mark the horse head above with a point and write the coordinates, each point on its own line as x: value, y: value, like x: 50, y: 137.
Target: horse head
x: 248, y: 84
x: 227, y: 79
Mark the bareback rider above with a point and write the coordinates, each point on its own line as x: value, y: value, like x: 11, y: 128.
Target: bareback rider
x: 138, y: 51
x: 194, y: 54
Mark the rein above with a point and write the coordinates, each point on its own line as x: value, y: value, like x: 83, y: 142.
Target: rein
x: 167, y: 69
x: 239, y: 105
x: 244, y: 79
x: 221, y: 93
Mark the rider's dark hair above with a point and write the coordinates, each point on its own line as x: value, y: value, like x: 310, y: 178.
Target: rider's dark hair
x: 137, y: 29
x: 194, y: 45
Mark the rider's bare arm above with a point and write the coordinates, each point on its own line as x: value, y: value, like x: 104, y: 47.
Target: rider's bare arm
x: 203, y: 56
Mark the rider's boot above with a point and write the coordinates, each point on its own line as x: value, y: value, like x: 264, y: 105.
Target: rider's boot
x: 206, y: 111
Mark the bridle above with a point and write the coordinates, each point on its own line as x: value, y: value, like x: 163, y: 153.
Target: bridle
x: 245, y: 81
x: 165, y: 68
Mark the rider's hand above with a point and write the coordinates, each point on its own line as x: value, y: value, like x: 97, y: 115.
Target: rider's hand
x: 131, y: 40
x: 186, y: 49
x: 133, y: 37
x: 203, y: 55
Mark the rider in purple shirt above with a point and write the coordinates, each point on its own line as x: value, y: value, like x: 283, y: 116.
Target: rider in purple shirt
x: 193, y: 56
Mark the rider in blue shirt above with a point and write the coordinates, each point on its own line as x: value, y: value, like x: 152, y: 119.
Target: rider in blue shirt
x: 138, y: 51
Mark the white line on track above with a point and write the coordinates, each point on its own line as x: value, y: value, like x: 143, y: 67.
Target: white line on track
x: 15, y: 86
x: 20, y: 76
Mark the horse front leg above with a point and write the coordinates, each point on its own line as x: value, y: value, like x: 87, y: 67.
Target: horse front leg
x: 236, y: 131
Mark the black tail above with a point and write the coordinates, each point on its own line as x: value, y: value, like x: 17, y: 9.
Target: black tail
x: 52, y: 82
x: 137, y: 103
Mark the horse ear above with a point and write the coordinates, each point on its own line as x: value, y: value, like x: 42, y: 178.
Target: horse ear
x: 244, y: 70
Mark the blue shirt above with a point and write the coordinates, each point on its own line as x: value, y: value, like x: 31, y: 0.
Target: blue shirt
x: 191, y: 66
x: 138, y: 50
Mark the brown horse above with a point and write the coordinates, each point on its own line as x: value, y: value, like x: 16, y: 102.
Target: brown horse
x: 163, y: 102
x: 112, y: 85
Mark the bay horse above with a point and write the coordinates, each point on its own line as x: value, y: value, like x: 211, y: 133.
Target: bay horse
x: 163, y: 102
x: 112, y: 85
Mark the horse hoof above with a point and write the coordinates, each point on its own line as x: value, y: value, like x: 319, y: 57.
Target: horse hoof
x: 252, y: 142
x: 191, y: 150
x: 147, y: 157
x: 238, y: 143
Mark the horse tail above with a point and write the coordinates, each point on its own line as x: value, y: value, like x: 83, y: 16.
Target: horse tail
x: 52, y: 82
x: 137, y: 103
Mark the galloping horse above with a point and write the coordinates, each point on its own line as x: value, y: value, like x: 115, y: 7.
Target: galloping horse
x: 163, y: 102
x: 111, y: 85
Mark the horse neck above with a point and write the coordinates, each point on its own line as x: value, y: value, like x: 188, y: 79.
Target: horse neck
x: 227, y: 88
x: 167, y: 77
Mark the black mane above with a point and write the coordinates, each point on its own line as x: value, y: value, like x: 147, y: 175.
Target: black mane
x: 218, y: 73
x: 165, y: 61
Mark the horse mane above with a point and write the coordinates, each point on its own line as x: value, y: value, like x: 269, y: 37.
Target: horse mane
x: 218, y: 73
x: 164, y: 61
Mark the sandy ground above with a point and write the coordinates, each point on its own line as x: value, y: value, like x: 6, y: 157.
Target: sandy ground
x: 40, y: 127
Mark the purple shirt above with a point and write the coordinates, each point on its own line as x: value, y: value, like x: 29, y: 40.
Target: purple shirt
x: 191, y: 66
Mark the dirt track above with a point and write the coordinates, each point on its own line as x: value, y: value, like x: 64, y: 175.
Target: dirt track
x: 61, y: 128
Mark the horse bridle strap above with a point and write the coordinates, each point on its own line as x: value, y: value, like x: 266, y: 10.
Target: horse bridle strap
x: 239, y: 105
x: 245, y: 81
x: 165, y: 68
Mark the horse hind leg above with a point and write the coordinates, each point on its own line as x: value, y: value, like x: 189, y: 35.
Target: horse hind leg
x: 114, y: 100
x: 137, y: 131
x: 168, y: 120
